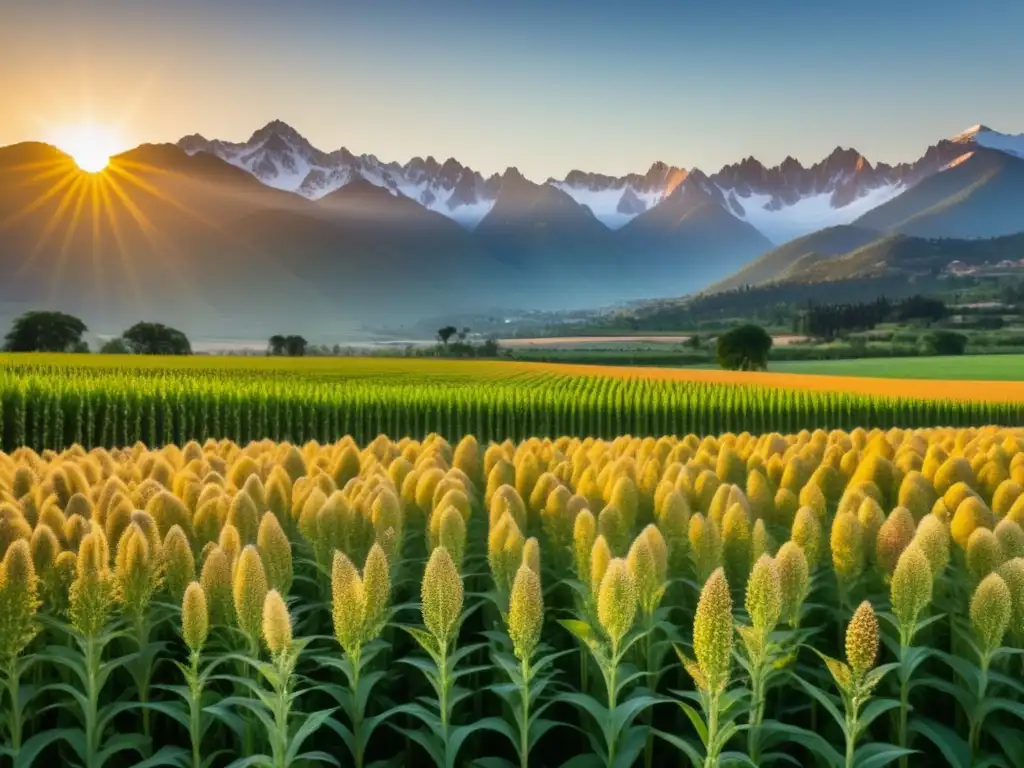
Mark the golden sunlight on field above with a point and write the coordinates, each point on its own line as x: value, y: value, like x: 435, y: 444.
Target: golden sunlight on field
x: 988, y: 391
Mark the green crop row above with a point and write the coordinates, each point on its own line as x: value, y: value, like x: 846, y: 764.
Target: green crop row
x: 54, y: 406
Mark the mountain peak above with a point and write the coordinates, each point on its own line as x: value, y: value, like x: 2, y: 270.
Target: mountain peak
x: 276, y: 128
x: 971, y: 132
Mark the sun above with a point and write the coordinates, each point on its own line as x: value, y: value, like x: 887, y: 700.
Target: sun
x: 90, y: 146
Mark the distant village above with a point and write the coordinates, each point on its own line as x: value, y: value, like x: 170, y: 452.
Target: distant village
x: 960, y: 269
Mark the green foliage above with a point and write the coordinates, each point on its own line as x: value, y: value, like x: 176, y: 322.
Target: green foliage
x: 40, y: 331
x: 744, y: 348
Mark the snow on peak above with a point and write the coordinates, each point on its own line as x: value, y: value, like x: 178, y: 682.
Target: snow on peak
x: 280, y: 157
x: 983, y: 136
x: 615, y: 201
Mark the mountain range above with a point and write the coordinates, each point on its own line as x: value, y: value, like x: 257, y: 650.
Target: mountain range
x: 274, y: 235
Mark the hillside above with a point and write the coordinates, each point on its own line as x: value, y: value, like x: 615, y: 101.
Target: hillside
x: 980, y: 195
x: 772, y: 265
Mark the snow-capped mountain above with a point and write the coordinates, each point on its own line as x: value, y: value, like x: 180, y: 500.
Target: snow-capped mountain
x: 983, y: 136
x: 616, y: 201
x: 782, y: 202
x: 282, y: 158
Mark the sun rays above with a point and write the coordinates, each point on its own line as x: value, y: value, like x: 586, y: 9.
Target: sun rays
x: 61, y: 200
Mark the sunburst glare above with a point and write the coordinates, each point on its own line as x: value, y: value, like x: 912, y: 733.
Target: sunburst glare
x: 90, y: 146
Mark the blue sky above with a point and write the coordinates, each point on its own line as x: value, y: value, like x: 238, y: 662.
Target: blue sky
x: 547, y: 86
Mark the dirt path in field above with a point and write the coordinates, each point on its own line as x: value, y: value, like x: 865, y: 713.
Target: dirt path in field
x: 992, y: 391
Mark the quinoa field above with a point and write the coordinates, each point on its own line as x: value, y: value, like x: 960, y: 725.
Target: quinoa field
x: 382, y: 562
x: 55, y: 401
x: 839, y: 598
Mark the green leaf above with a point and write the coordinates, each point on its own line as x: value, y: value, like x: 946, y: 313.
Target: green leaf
x: 317, y: 757
x: 122, y: 742
x: 695, y: 758
x: 825, y: 702
x: 31, y: 749
x: 583, y: 632
x: 879, y: 755
x: 245, y: 762
x: 167, y: 756
x: 953, y: 747
x: 623, y: 714
x: 810, y: 740
x: 310, y: 724
x: 873, y: 710
x: 172, y: 710
x: 990, y: 705
x: 459, y: 734
x: 698, y: 722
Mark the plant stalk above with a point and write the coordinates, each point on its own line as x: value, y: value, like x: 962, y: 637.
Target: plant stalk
x: 524, y: 726
x: 711, y: 756
x: 195, y: 710
x: 13, y: 688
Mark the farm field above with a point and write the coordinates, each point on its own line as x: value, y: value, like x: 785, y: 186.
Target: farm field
x: 967, y: 367
x: 839, y: 599
x: 56, y: 401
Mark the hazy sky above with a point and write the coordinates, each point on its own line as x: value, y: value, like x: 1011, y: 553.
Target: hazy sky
x: 546, y: 85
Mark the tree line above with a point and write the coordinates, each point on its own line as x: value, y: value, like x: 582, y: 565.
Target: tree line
x: 827, y: 321
x: 45, y: 331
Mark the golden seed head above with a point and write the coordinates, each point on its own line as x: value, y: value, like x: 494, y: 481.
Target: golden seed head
x: 984, y: 553
x: 195, y: 617
x: 847, y: 547
x: 452, y: 533
x: 600, y: 556
x: 911, y: 588
x: 991, y: 611
x: 45, y: 548
x: 933, y: 538
x: 215, y: 579
x: 970, y: 514
x: 649, y: 569
x: 713, y: 631
x: 736, y: 544
x: 807, y: 534
x: 1012, y: 572
x: 612, y: 524
x: 862, y: 639
x: 584, y: 534
x: 249, y: 590
x: 243, y: 515
x: 892, y: 539
x: 180, y: 564
x: 526, y: 612
x: 1011, y: 538
x: 617, y: 600
x: 348, y: 603
x: 19, y: 601
x: 531, y: 554
x: 276, y: 553
x: 794, y: 580
x: 441, y: 595
x: 764, y: 595
x: 277, y: 623
x: 376, y: 593
x: 705, y: 546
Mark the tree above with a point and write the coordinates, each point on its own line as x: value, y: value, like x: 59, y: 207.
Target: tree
x: 116, y: 346
x: 156, y: 339
x: 744, y: 348
x: 444, y: 334
x: 295, y: 346
x: 276, y: 345
x: 943, y: 343
x: 46, y: 332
